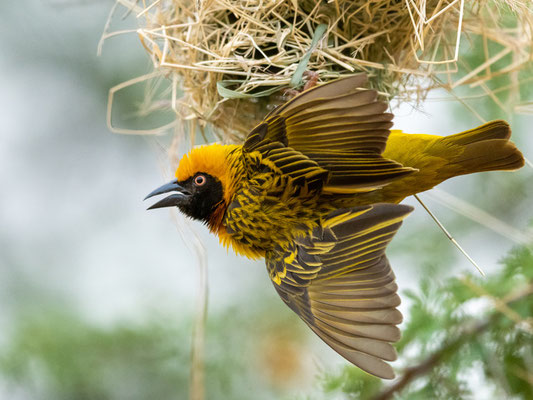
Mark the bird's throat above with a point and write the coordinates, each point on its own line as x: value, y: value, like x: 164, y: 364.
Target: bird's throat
x: 217, y: 216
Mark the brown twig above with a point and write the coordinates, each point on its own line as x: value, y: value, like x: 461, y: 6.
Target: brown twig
x: 194, y: 244
x: 412, y: 373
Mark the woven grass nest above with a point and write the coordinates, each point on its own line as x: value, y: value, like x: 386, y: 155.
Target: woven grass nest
x: 233, y: 59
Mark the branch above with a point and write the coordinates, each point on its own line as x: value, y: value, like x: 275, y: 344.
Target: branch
x: 426, y: 366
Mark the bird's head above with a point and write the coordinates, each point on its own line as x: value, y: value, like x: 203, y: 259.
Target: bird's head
x: 203, y: 184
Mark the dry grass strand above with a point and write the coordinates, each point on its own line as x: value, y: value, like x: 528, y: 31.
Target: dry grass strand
x: 408, y: 47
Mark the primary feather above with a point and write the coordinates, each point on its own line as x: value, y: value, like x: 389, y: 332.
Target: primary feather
x: 308, y: 191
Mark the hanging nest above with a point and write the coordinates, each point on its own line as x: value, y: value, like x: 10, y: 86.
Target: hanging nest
x: 233, y: 60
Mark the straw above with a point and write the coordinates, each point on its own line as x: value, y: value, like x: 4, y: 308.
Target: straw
x: 228, y: 56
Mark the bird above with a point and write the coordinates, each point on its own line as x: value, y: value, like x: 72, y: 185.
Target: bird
x: 315, y: 190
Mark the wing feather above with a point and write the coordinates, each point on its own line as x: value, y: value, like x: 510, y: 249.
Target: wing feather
x: 342, y: 128
x: 369, y: 363
x: 328, y: 90
x: 338, y: 280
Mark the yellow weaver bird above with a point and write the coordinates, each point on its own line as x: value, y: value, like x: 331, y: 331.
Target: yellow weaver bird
x: 310, y: 190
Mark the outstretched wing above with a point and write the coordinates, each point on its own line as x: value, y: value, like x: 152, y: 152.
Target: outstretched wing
x: 339, y: 126
x: 338, y: 280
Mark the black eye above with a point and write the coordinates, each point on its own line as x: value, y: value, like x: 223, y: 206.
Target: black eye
x: 199, y: 180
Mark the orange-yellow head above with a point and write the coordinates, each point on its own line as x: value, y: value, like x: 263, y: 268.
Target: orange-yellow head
x: 204, y: 184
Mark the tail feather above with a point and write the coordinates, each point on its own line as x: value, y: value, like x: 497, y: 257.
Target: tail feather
x: 498, y: 129
x: 437, y: 158
x: 485, y: 148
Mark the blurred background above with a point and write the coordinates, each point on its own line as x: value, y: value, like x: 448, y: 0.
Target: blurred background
x: 98, y: 295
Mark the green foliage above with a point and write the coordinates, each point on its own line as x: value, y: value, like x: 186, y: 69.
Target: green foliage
x: 353, y: 382
x: 57, y: 355
x: 61, y: 357
x: 468, y: 337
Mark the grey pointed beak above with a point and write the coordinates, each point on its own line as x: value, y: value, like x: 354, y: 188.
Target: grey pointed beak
x: 172, y: 200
